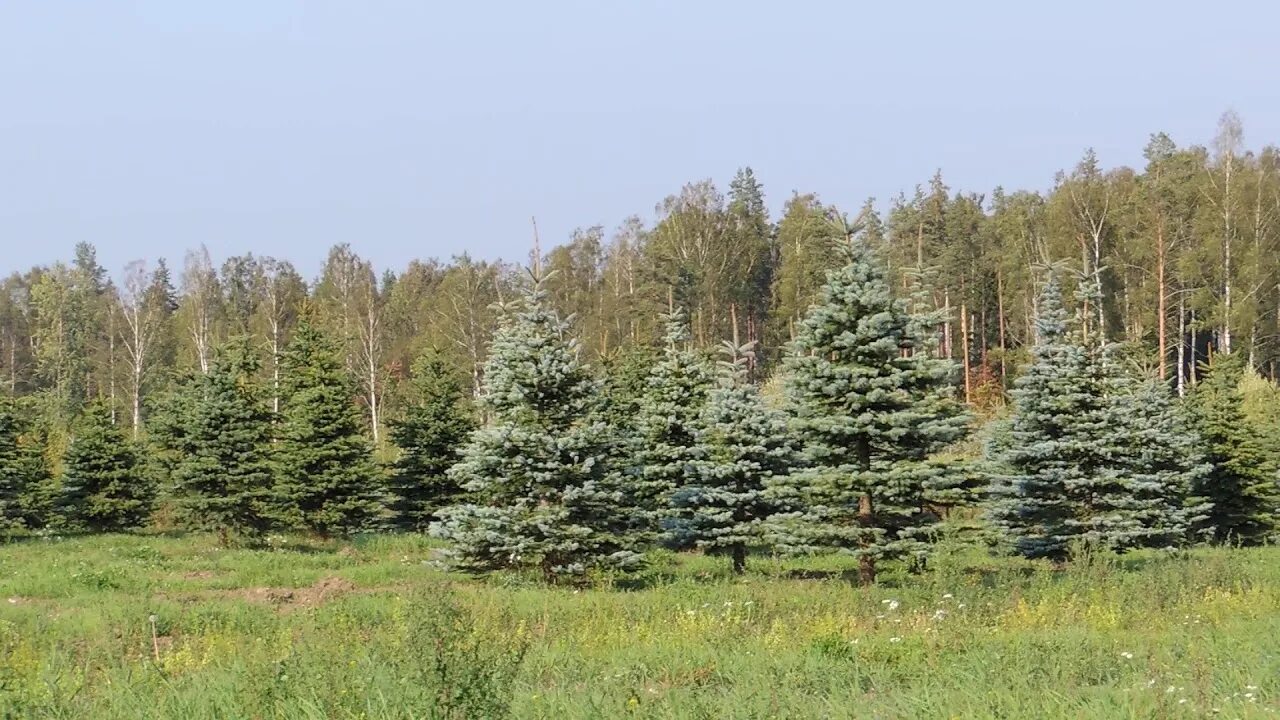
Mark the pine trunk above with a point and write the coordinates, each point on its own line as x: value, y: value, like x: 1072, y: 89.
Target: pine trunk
x: 1162, y: 310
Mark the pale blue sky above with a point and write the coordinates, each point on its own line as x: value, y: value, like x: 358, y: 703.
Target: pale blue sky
x: 416, y: 129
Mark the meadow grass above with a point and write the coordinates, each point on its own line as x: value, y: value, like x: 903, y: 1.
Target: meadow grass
x: 153, y: 626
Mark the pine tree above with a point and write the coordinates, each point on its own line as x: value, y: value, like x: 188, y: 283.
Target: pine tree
x: 436, y: 425
x: 871, y: 404
x: 103, y: 487
x: 1241, y: 482
x: 327, y: 479
x: 224, y: 478
x: 1159, y: 459
x: 19, y: 475
x: 542, y: 493
x: 1048, y: 450
x: 744, y: 448
x: 665, y: 449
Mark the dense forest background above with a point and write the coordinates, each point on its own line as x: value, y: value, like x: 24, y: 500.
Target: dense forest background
x: 1186, y: 250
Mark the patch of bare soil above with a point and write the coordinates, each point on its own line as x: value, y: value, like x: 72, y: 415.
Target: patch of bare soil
x: 323, y: 589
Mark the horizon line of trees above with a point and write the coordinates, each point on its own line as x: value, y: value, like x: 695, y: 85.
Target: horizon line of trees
x: 302, y: 386
x: 560, y: 468
x: 1184, y: 253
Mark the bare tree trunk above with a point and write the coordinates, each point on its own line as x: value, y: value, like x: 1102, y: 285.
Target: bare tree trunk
x: 1195, y: 350
x: 866, y: 562
x: 1162, y: 295
x: 1000, y: 324
x: 866, y: 518
x: 964, y: 350
x: 946, y: 324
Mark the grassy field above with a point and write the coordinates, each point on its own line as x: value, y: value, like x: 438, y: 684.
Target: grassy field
x: 162, y: 627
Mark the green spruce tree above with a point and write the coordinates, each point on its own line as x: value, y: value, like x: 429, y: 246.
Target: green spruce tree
x: 745, y: 447
x: 20, y: 469
x: 871, y: 404
x: 436, y: 425
x: 327, y: 480
x: 1241, y: 483
x: 665, y: 446
x: 542, y: 494
x: 103, y: 486
x: 224, y: 476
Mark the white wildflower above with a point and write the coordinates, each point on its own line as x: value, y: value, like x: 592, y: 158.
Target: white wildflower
x: 895, y: 639
x: 1126, y: 655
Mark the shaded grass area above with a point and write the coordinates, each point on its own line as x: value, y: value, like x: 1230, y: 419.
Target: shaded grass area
x: 166, y: 627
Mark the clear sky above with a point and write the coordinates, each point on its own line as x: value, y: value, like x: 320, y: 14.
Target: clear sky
x: 421, y: 128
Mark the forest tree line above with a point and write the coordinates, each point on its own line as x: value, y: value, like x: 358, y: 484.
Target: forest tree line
x: 1175, y: 262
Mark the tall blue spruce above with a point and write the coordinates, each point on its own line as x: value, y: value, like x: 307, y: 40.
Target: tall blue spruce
x: 1154, y: 455
x: 1049, y: 450
x: 541, y: 493
x: 745, y: 447
x: 436, y: 424
x: 871, y: 404
x: 328, y: 482
x: 1241, y: 484
x: 664, y: 444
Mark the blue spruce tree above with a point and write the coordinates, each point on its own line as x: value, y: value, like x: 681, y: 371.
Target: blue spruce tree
x: 664, y: 443
x: 871, y: 404
x: 744, y: 448
x: 542, y: 494
x: 1047, y: 451
x: 1155, y: 454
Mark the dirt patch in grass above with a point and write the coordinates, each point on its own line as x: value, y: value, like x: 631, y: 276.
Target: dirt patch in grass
x: 198, y: 575
x: 321, y: 590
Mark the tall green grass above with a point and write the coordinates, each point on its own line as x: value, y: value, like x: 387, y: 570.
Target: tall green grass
x: 374, y: 630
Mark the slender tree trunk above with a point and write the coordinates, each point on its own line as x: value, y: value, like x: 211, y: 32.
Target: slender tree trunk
x: 1225, y: 335
x: 137, y: 400
x: 946, y: 325
x: 1000, y: 324
x: 866, y: 562
x: 866, y: 518
x: 1162, y: 298
x: 964, y: 350
x: 1195, y: 350
x: 1182, y: 345
x: 739, y: 559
